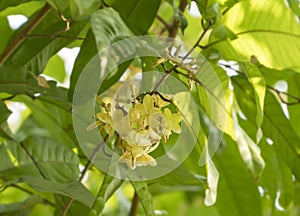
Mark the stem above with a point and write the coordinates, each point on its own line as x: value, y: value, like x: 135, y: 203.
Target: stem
x: 173, y: 30
x: 134, y: 205
x: 28, y: 28
x: 83, y: 173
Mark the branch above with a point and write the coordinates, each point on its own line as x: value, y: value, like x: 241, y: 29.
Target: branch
x: 83, y: 173
x: 173, y: 30
x: 22, y: 35
x: 134, y: 205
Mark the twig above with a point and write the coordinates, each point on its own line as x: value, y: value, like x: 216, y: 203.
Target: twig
x: 56, y: 36
x: 20, y: 37
x: 33, y: 160
x: 82, y: 175
x: 134, y: 205
x: 173, y: 30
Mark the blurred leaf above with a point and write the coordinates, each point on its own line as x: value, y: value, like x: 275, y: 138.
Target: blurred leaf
x: 145, y: 197
x: 4, y: 112
x: 75, y: 190
x: 55, y: 68
x: 137, y: 14
x: 222, y: 32
x: 16, y: 80
x: 277, y: 177
x: 275, y: 125
x: 4, y: 4
x: 55, y: 161
x: 212, y: 182
x: 294, y: 5
x: 83, y: 9
x: 5, y: 32
x: 110, y: 20
x: 35, y: 52
x: 259, y: 86
x: 237, y: 190
x: 250, y: 153
x: 87, y: 51
x: 215, y: 96
x: 45, y: 116
x: 267, y: 34
x: 19, y: 208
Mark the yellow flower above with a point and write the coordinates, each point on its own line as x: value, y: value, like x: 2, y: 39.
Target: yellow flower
x: 172, y: 122
x: 107, y: 121
x: 135, y: 156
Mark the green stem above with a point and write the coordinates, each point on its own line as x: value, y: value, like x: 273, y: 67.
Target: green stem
x: 134, y: 205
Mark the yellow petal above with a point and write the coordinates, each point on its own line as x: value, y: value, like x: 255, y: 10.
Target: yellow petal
x: 148, y: 103
x: 145, y: 160
x: 104, y: 117
x: 93, y: 125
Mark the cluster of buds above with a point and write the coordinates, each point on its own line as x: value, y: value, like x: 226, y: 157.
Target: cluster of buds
x: 140, y: 129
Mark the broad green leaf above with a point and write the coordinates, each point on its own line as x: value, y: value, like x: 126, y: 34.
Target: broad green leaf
x: 145, y: 198
x: 4, y: 4
x: 47, y: 117
x: 74, y: 189
x: 16, y: 80
x: 259, y: 86
x: 222, y: 32
x: 36, y: 50
x: 55, y: 161
x: 215, y: 98
x: 83, y: 9
x: 275, y: 125
x: 294, y: 111
x: 27, y: 8
x: 87, y: 51
x: 55, y: 68
x: 20, y: 208
x: 265, y: 29
x: 114, y: 26
x: 5, y: 33
x: 237, y: 189
x: 276, y: 177
x: 4, y: 112
x: 137, y: 14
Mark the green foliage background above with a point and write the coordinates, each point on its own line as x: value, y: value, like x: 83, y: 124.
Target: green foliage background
x: 253, y: 46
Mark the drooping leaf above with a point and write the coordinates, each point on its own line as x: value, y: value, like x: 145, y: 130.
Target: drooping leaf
x: 275, y: 125
x: 75, y: 189
x: 236, y: 185
x: 4, y: 4
x: 212, y: 182
x: 259, y: 85
x: 138, y: 14
x: 215, y: 96
x: 4, y: 112
x: 277, y: 177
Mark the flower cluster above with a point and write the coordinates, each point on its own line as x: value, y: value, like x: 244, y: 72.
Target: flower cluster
x: 141, y: 128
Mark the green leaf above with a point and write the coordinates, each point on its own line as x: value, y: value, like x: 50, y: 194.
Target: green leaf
x: 83, y: 9
x: 214, y: 96
x: 114, y: 26
x: 75, y: 190
x: 222, y: 32
x: 275, y: 125
x: 87, y: 51
x: 277, y: 177
x: 273, y: 39
x: 259, y: 86
x: 46, y: 116
x: 4, y: 4
x: 55, y: 68
x: 212, y: 182
x: 35, y: 52
x: 5, y: 33
x: 294, y: 5
x: 27, y: 8
x: 137, y: 14
x: 4, y: 112
x: 237, y: 189
x: 55, y: 161
x: 16, y: 80
x: 19, y: 208
x: 145, y: 197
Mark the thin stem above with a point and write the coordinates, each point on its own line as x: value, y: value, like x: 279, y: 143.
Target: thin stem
x: 83, y: 173
x: 173, y: 30
x: 56, y: 36
x: 20, y: 37
x: 134, y: 205
x: 34, y: 161
x: 168, y: 72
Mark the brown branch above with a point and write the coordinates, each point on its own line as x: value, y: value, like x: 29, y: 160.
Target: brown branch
x: 173, y: 30
x: 22, y: 35
x: 134, y: 205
